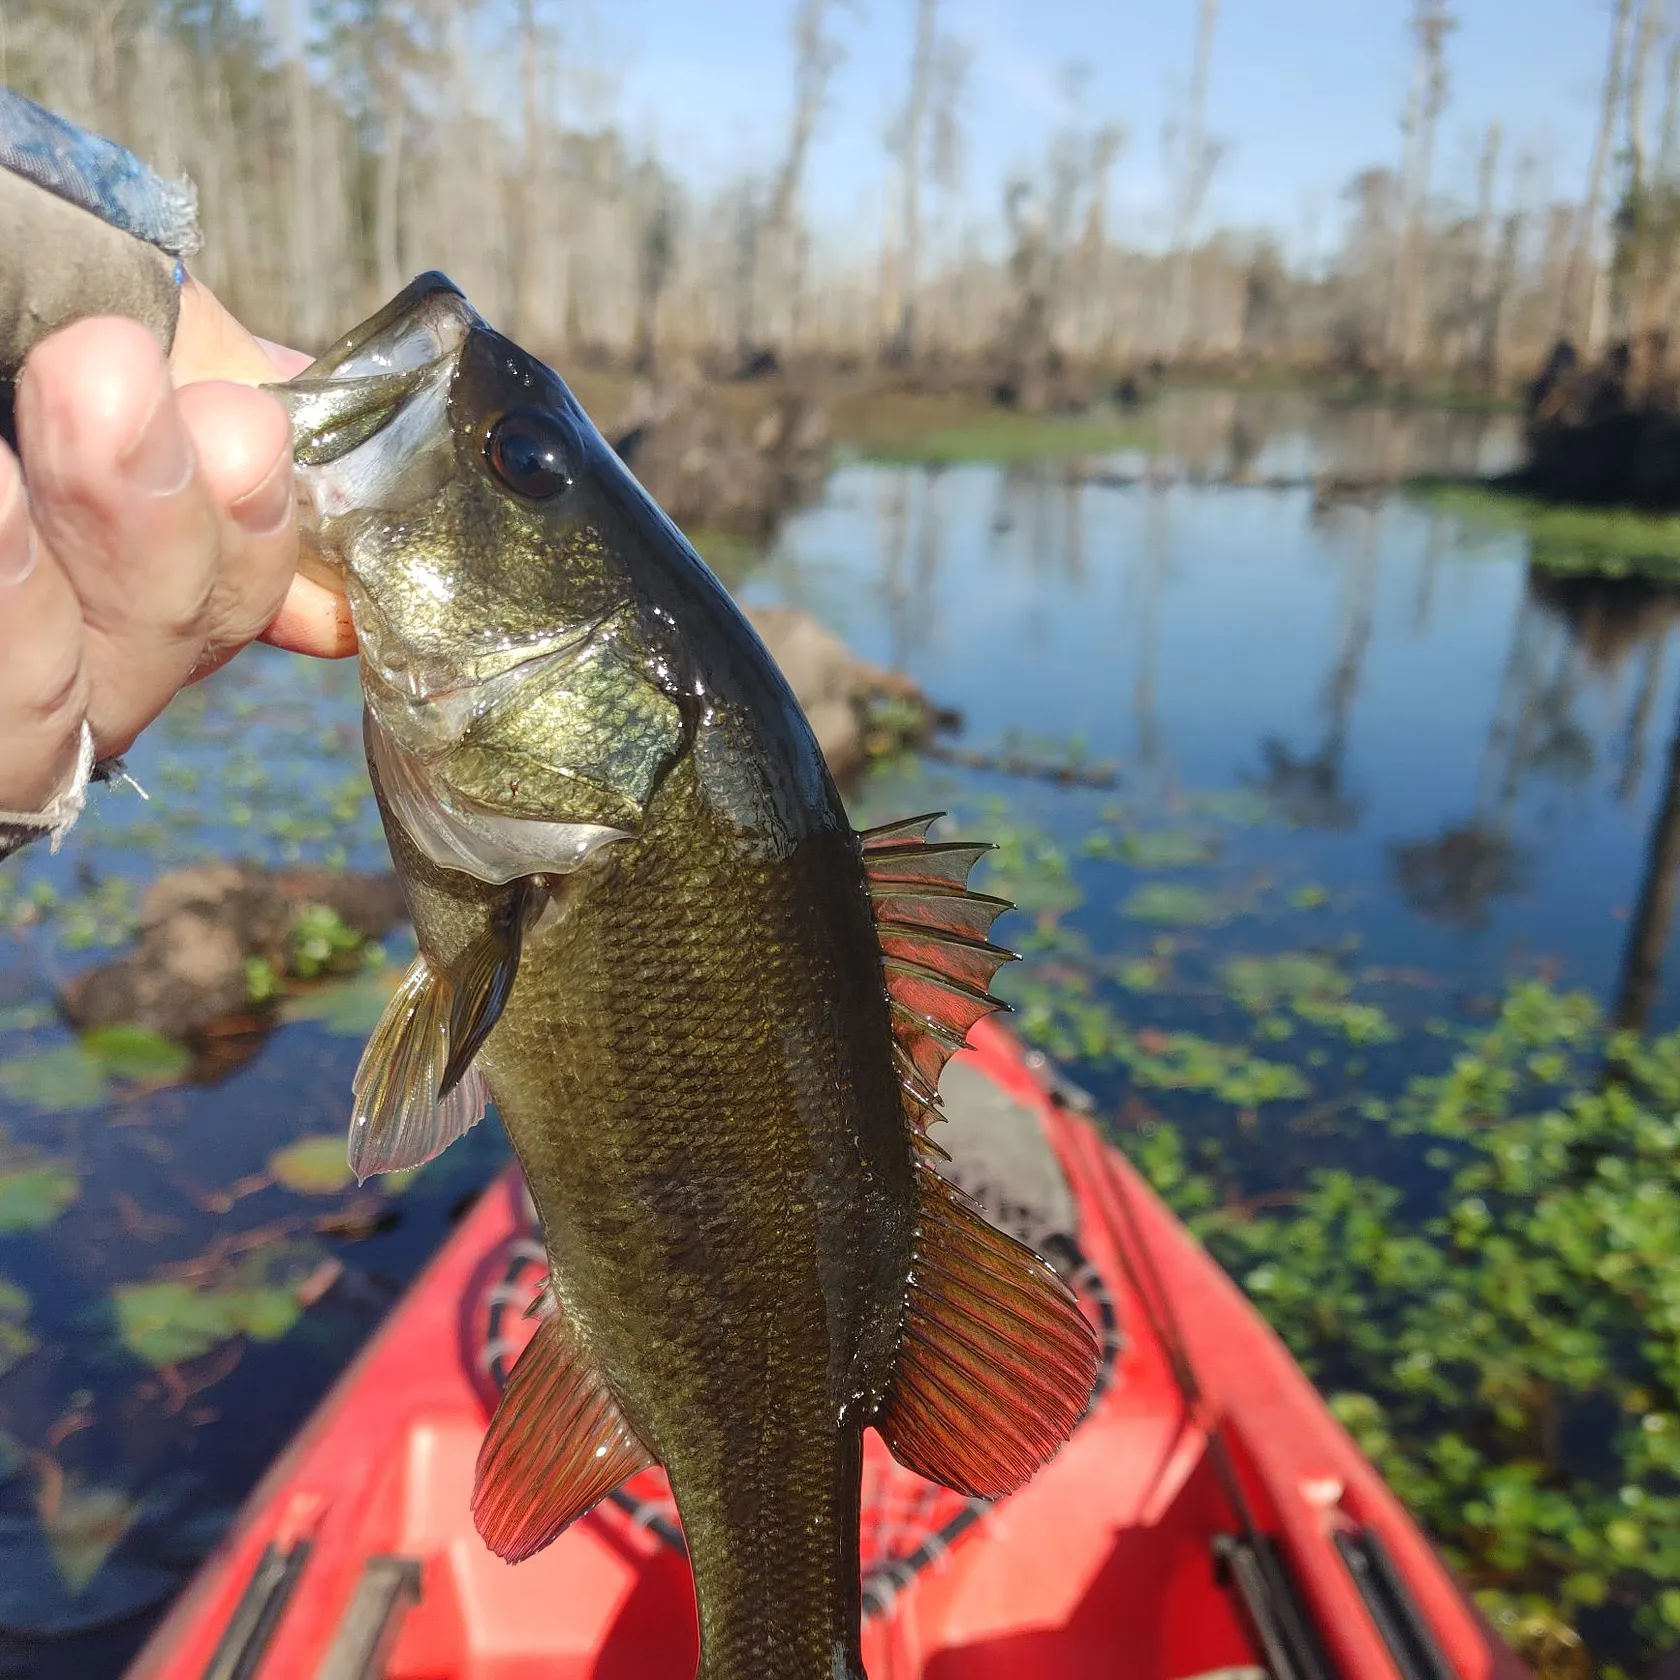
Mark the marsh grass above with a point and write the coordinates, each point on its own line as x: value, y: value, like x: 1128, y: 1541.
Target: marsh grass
x: 1563, y: 538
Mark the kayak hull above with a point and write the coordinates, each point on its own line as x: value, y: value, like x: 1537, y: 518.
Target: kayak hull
x: 1125, y: 1556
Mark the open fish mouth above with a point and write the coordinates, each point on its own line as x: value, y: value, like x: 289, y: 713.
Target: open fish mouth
x: 370, y: 424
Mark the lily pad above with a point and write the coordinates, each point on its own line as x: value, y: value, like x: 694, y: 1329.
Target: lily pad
x: 1261, y: 984
x: 62, y: 1080
x: 85, y: 1526
x: 16, y: 1345
x: 1313, y: 987
x: 1173, y: 904
x: 313, y: 1166
x: 33, y: 1196
x: 1168, y: 849
x: 349, y: 1010
x: 133, y: 1052
x: 37, y: 1561
x: 170, y: 1322
x: 1188, y: 1062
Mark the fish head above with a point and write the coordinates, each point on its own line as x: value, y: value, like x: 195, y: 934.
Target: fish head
x: 527, y: 682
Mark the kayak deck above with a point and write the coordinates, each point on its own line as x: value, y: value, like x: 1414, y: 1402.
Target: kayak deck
x: 1128, y: 1555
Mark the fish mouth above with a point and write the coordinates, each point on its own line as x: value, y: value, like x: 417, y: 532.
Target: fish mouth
x: 430, y: 317
x: 370, y: 423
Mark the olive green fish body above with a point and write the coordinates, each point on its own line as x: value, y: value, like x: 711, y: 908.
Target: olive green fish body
x: 711, y: 1015
x: 695, y: 1068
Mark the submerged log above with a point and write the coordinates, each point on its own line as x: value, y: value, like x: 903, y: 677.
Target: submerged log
x: 202, y: 928
x: 859, y: 711
x: 714, y: 462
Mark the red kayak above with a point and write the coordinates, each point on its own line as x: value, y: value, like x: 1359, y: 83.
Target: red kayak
x: 1209, y: 1519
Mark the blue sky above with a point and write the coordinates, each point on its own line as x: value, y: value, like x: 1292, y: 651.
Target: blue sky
x: 1303, y: 92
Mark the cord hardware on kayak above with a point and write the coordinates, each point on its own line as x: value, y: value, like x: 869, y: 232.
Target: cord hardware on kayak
x: 1257, y: 1574
x: 389, y: 1587
x: 1389, y: 1601
x: 257, y: 1615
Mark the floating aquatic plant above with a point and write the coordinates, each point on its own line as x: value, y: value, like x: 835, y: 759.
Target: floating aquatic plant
x: 1481, y: 1341
x: 171, y: 1321
x: 350, y: 1009
x: 313, y: 1166
x: 1176, y: 904
x: 32, y: 1196
x: 16, y: 1345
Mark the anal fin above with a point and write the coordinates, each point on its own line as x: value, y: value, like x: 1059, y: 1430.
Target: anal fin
x: 996, y: 1364
x: 557, y: 1445
x: 416, y: 1089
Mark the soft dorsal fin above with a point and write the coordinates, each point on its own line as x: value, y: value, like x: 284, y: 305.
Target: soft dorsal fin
x: 416, y: 1089
x: 936, y: 959
x: 996, y: 1364
x: 557, y: 1444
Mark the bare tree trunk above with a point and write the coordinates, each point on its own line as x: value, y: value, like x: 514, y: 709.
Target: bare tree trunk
x: 302, y: 244
x: 1430, y: 24
x: 1485, y: 258
x: 525, y: 242
x: 1668, y: 129
x: 1192, y: 182
x: 1496, y: 305
x: 1627, y: 304
x: 815, y: 58
x: 1573, y: 319
x: 902, y: 345
x: 387, y: 207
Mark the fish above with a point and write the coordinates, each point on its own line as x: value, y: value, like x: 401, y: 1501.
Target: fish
x: 710, y: 1014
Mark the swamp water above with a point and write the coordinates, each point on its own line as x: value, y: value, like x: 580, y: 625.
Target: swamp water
x: 1383, y: 802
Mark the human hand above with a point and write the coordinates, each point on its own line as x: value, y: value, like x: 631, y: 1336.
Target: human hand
x: 150, y: 535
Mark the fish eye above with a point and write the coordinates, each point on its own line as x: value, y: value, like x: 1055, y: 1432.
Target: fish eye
x: 527, y: 452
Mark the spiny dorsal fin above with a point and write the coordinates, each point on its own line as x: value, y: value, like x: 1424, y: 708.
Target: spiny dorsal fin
x: 557, y: 1445
x: 936, y: 959
x: 416, y: 1089
x: 997, y: 1362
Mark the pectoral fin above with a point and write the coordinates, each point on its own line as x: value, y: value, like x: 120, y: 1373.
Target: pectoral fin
x: 416, y: 1089
x: 557, y: 1444
x: 997, y: 1362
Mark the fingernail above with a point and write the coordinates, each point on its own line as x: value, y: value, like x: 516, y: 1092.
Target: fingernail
x: 269, y: 506
x: 159, y: 457
x: 18, y: 548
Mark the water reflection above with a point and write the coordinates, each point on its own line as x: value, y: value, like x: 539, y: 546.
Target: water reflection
x: 1254, y: 436
x: 1308, y: 788
x: 1462, y: 744
x: 1420, y: 750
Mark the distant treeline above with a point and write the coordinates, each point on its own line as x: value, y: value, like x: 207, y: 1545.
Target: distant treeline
x: 341, y: 145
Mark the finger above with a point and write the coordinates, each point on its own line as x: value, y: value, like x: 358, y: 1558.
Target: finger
x: 243, y: 441
x: 210, y: 344
x: 288, y: 363
x: 314, y: 620
x: 43, y: 688
x: 118, y: 501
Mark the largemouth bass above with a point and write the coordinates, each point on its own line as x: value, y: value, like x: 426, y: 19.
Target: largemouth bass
x: 712, y: 1016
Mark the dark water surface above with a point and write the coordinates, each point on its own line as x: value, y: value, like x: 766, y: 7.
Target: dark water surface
x: 1348, y: 732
